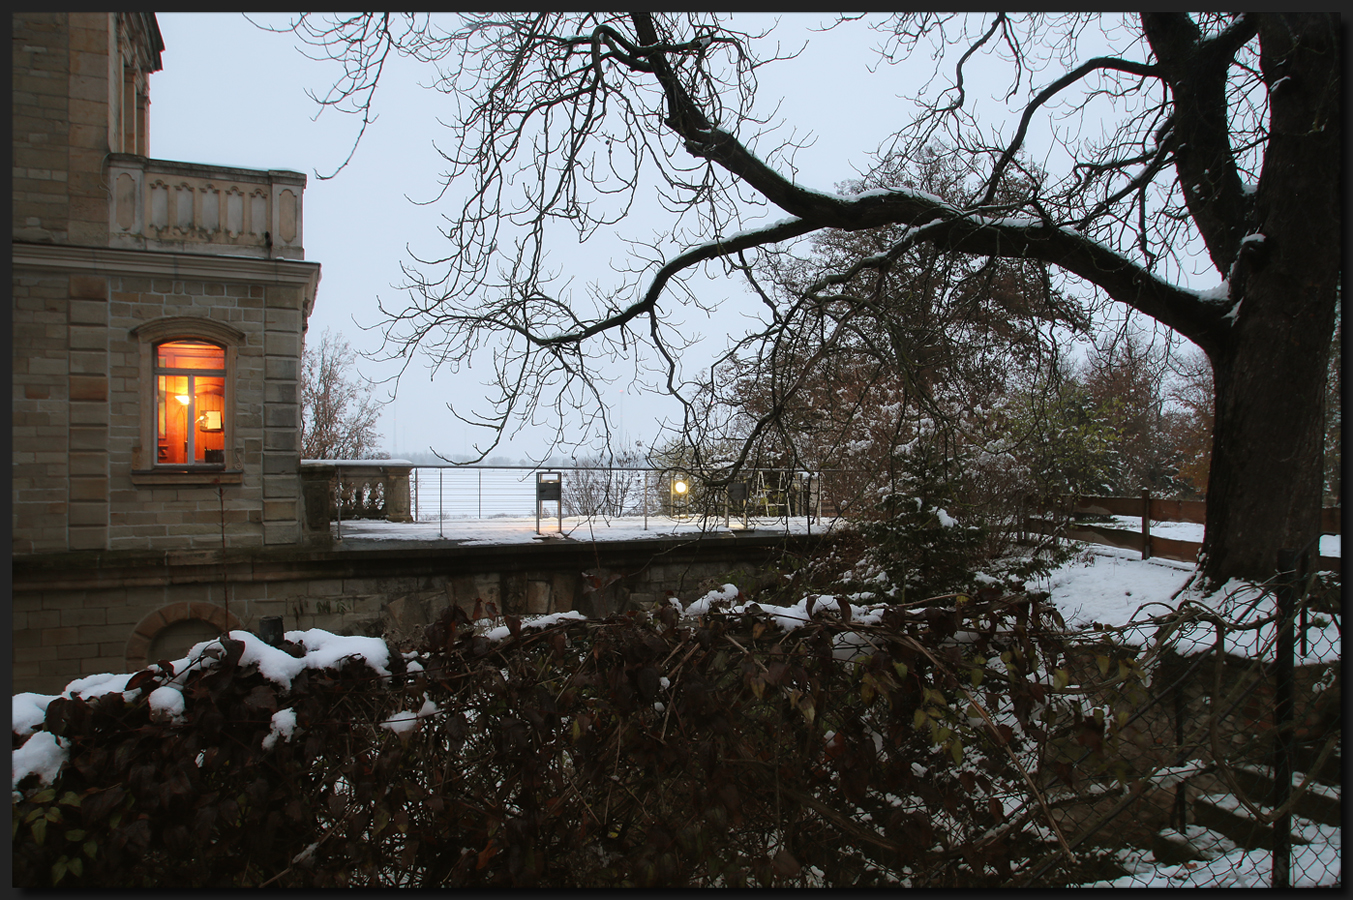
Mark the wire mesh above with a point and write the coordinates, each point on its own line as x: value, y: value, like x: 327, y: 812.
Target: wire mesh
x: 1227, y: 768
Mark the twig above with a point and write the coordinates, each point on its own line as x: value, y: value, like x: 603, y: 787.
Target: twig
x: 662, y: 735
x: 347, y: 814
x: 734, y: 642
x: 840, y: 821
x: 1038, y: 795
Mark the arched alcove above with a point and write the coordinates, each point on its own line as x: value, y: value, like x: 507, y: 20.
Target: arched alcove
x: 168, y: 632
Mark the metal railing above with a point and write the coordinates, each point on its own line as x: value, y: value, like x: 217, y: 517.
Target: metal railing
x: 440, y: 493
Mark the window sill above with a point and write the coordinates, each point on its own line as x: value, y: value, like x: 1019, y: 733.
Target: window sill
x: 166, y: 475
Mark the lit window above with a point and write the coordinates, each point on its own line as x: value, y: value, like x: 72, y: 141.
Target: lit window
x: 190, y: 378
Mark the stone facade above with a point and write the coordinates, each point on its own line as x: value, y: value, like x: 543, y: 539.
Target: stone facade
x: 83, y: 426
x: 113, y: 254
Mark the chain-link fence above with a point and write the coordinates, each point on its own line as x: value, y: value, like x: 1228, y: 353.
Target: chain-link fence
x: 1221, y: 722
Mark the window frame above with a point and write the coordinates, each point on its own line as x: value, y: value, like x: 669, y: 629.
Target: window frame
x: 147, y: 467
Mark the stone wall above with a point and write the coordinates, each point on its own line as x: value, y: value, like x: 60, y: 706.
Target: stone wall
x: 264, y: 443
x: 80, y: 614
x: 60, y: 127
x: 83, y: 395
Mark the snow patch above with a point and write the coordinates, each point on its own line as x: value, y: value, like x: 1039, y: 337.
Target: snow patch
x: 283, y: 725
x: 167, y: 700
x: 1219, y: 294
x: 404, y: 722
x: 29, y: 711
x: 502, y: 632
x: 42, y: 755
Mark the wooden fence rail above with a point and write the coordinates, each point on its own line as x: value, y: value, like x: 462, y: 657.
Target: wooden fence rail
x: 1151, y: 509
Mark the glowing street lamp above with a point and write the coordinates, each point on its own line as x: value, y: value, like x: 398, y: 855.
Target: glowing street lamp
x: 680, y: 496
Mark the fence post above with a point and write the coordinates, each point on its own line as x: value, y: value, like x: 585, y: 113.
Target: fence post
x: 339, y: 471
x: 441, y: 514
x: 1181, y: 797
x: 1146, y: 523
x: 1283, y: 715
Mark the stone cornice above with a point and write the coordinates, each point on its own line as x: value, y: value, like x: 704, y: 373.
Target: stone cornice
x: 159, y: 264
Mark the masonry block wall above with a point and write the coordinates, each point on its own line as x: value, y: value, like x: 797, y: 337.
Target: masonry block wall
x: 264, y: 443
x: 81, y: 616
x: 80, y: 393
x: 60, y: 120
x: 41, y: 429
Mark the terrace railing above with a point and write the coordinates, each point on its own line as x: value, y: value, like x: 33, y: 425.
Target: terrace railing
x: 482, y: 492
x: 161, y: 204
x: 337, y: 489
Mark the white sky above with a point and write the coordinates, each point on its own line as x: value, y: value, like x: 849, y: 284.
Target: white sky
x: 232, y: 94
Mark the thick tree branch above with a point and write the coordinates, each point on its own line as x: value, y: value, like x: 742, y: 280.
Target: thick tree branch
x: 1196, y: 71
x: 774, y: 234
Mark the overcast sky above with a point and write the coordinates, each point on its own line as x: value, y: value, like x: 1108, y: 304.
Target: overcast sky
x: 232, y: 94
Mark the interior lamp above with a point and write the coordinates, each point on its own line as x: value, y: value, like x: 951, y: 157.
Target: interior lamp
x: 680, y: 486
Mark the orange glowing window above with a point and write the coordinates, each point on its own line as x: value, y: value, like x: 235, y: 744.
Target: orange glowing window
x: 190, y: 403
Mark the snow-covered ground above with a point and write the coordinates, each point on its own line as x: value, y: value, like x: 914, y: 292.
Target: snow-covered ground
x: 1314, y: 864
x: 511, y: 530
x: 520, y: 530
x: 1330, y: 544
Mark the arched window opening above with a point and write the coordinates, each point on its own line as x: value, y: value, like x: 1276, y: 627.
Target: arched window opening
x: 190, y: 403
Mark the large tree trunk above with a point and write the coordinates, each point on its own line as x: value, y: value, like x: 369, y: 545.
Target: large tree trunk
x: 1265, y: 488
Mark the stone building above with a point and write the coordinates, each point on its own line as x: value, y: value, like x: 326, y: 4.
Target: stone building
x: 158, y: 315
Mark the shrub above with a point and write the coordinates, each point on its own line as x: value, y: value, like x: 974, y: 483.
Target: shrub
x: 823, y: 743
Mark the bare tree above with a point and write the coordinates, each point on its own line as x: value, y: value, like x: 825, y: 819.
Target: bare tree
x: 1223, y: 131
x: 338, y: 412
x: 607, y: 487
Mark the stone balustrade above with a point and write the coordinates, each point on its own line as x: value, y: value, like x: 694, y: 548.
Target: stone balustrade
x: 191, y: 208
x: 370, y: 488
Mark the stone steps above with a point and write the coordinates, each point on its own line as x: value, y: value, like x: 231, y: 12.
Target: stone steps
x: 1216, y: 808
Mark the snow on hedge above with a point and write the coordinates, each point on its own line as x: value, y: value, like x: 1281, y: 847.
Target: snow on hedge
x: 1105, y: 587
x: 43, y: 754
